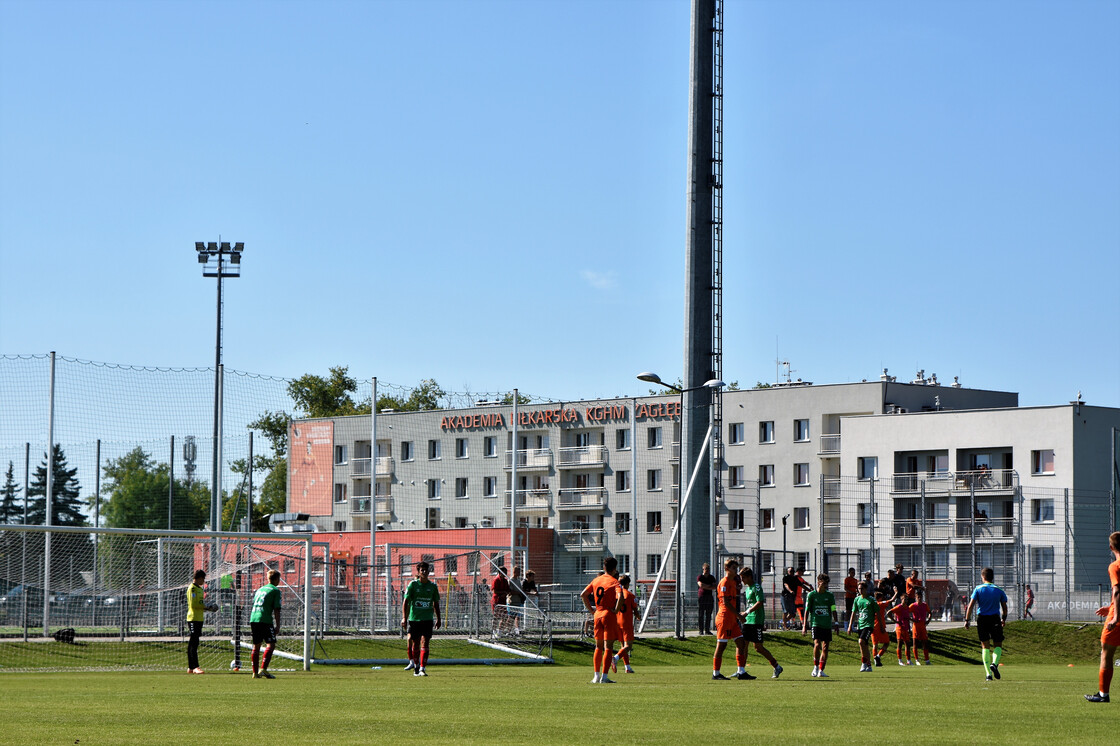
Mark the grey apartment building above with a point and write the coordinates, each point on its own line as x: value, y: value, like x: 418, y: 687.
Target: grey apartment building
x: 866, y: 474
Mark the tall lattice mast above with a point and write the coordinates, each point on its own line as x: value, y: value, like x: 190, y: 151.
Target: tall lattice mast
x: 717, y: 239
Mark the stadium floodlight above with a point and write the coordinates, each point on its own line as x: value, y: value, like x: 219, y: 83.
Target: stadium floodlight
x: 228, y: 264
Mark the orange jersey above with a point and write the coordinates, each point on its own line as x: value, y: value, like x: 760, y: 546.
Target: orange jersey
x: 1113, y: 637
x: 628, y: 613
x: 919, y: 613
x: 604, y: 590
x: 727, y: 591
x: 851, y: 587
x: 880, y: 625
x: 911, y: 586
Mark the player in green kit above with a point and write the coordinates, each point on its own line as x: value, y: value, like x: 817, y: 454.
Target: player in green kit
x: 864, y: 611
x: 419, y: 613
x: 266, y: 609
x: 754, y: 618
x: 820, y: 611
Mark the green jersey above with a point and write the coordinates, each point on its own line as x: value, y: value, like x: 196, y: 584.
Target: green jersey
x: 752, y: 594
x: 421, y: 598
x: 865, y: 610
x: 265, y: 601
x: 820, y: 605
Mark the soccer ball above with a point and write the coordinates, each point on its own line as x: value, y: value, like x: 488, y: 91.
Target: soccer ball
x: 234, y: 665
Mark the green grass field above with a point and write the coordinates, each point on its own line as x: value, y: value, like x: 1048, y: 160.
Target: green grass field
x: 670, y: 700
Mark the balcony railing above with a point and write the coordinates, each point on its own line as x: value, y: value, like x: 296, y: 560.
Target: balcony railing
x: 531, y: 500
x: 830, y: 487
x: 674, y: 494
x: 954, y: 529
x: 530, y: 459
x: 582, y: 497
x: 582, y: 539
x: 359, y: 467
x: 986, y: 480
x: 675, y: 453
x: 582, y: 456
x: 360, y: 505
x: 830, y: 443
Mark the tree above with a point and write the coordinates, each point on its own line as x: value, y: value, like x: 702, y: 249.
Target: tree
x: 9, y: 511
x: 65, y: 503
x: 521, y: 399
x: 136, y: 492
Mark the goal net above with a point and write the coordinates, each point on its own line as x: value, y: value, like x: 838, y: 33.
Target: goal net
x: 474, y: 630
x: 115, y: 599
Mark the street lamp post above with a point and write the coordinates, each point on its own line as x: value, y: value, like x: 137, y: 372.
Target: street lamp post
x: 678, y: 608
x: 213, y: 258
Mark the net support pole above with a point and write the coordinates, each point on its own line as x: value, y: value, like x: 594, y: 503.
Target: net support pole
x: 972, y: 530
x: 874, y: 516
x: 23, y: 563
x: 634, y: 490
x: 513, y: 488
x: 159, y: 584
x: 96, y: 523
x: 373, y: 509
x: 1065, y: 532
x: 922, y: 517
x: 48, y: 503
x: 307, y: 605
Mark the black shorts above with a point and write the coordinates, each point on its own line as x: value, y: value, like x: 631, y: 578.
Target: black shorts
x: 263, y: 632
x: 864, y: 634
x: 753, y: 632
x: 988, y: 627
x: 421, y: 628
x: 824, y: 634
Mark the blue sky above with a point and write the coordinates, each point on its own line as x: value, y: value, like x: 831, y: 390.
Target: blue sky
x: 491, y: 193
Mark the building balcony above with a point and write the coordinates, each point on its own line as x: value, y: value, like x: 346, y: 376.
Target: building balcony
x: 674, y: 494
x: 675, y: 452
x: 588, y: 498
x: 830, y: 445
x: 360, y: 506
x: 957, y: 531
x: 830, y: 488
x: 531, y: 501
x: 530, y: 459
x: 582, y: 457
x: 359, y: 467
x: 582, y: 539
x: 959, y: 482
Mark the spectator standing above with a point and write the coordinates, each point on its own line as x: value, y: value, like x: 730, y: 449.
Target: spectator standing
x: 789, y: 598
x: 851, y: 590
x: 706, y: 587
x: 1110, y: 635
x: 990, y: 603
x: 499, y: 590
x: 515, y: 600
x: 196, y: 611
x: 1029, y: 604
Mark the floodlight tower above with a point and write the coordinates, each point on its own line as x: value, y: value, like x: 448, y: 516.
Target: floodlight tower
x: 703, y: 323
x: 213, y: 256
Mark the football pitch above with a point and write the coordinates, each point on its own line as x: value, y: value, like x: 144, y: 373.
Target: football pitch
x: 661, y: 703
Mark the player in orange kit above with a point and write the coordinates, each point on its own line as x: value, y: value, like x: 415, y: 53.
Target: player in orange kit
x: 879, y: 635
x: 728, y: 625
x: 919, y: 616
x: 602, y: 598
x: 902, y: 636
x: 626, y: 625
x: 1110, y: 636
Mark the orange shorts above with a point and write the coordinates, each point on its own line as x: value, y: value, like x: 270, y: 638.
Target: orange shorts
x: 880, y: 638
x: 901, y: 634
x: 1111, y: 638
x: 728, y: 628
x: 920, y: 634
x: 606, y: 627
x: 626, y: 630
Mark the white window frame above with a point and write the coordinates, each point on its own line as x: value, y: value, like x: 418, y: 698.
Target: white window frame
x: 736, y: 520
x: 861, y: 468
x: 408, y: 453
x: 762, y: 513
x: 622, y: 439
x: 622, y: 523
x: 766, y: 475
x: 462, y: 448
x: 651, y: 526
x: 434, y: 489
x: 736, y: 434
x: 339, y: 492
x: 802, y: 519
x: 653, y: 564
x: 798, y: 435
x: 766, y: 431
x: 654, y: 438
x: 340, y: 453
x: 489, y: 486
x: 1038, y: 552
x: 434, y: 450
x: 490, y: 446
x: 622, y: 481
x: 1040, y: 502
x: 801, y: 475
x: 653, y: 480
x: 462, y: 491
x: 1038, y: 468
x: 736, y: 479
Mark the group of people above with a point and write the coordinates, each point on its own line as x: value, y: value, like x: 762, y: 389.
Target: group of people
x: 507, y: 599
x: 612, y: 607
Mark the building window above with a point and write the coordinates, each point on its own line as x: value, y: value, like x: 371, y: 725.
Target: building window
x: 622, y: 481
x: 1042, y: 510
x: 654, y: 437
x: 340, y: 493
x: 406, y: 450
x: 735, y: 433
x: 653, y: 480
x: 801, y: 430
x: 622, y: 523
x: 801, y: 475
x: 800, y: 519
x: 340, y: 454
x: 622, y: 440
x: 653, y: 564
x: 863, y: 514
x: 766, y: 432
x: 1042, y: 559
x: 460, y: 448
x: 867, y: 467
x: 460, y: 487
x: 489, y: 486
x: 361, y: 566
x: 623, y: 564
x: 289, y: 565
x: 653, y: 522
x: 490, y: 447
x: 766, y: 475
x: 433, y: 450
x: 432, y: 521
x: 451, y: 564
x: 767, y: 563
x: 735, y: 477
x: 472, y: 563
x: 340, y: 570
x: 460, y: 521
x: 340, y: 525
x: 766, y: 519
x: 801, y: 560
x: 735, y: 520
x: 433, y: 489
x: 1042, y: 462
x: 583, y: 564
